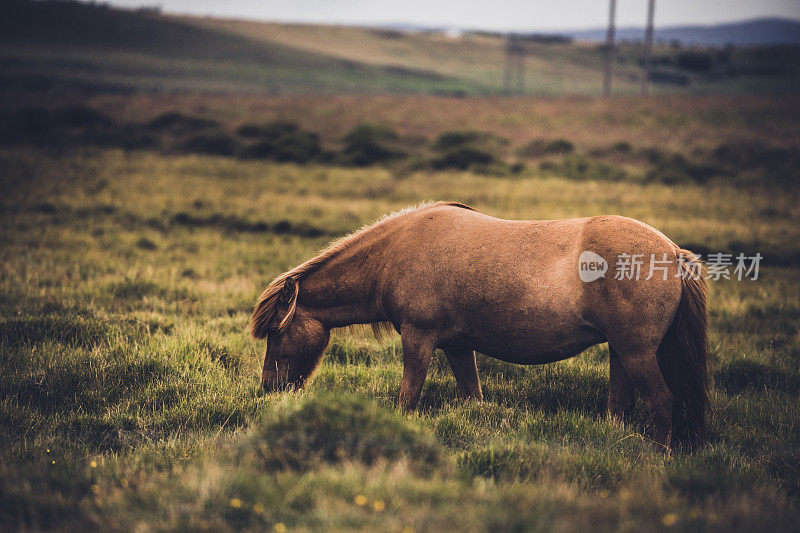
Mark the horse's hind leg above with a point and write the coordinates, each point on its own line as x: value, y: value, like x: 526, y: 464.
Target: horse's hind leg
x: 465, y: 369
x: 620, y: 388
x: 641, y: 365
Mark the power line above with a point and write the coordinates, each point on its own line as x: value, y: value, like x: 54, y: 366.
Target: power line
x: 608, y: 73
x: 514, y: 79
x: 648, y: 48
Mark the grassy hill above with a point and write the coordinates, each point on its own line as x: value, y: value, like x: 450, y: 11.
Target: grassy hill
x: 74, y: 46
x: 66, y: 45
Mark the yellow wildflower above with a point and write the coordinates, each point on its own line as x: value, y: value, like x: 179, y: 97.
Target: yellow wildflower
x: 361, y: 500
x: 669, y: 519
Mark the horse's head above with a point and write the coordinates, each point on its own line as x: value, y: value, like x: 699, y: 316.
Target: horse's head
x: 295, y: 343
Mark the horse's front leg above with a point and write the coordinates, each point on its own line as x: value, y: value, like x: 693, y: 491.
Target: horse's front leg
x: 465, y: 369
x: 418, y: 348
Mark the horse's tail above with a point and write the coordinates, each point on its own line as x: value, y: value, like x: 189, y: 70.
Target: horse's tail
x: 682, y: 357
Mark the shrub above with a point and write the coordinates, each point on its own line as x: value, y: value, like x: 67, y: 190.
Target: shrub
x: 69, y: 124
x: 695, y: 61
x: 27, y: 124
x: 456, y: 139
x: 295, y: 147
x: 463, y: 159
x: 300, y: 147
x: 621, y: 147
x: 678, y: 169
x: 79, y: 116
x: 146, y: 244
x: 541, y: 147
x: 370, y: 132
x: 776, y: 165
x: 583, y: 168
x: 176, y: 123
x: 365, y: 153
x: 273, y: 131
x: 131, y: 137
x: 367, y: 145
x: 669, y: 77
x: 559, y: 146
x: 211, y: 144
x: 330, y: 427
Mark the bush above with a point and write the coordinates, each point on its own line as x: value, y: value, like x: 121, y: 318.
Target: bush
x: 669, y: 77
x: 517, y: 168
x: 362, y: 154
x: 456, y: 139
x: 131, y: 136
x: 176, y: 123
x: 272, y: 131
x: 281, y: 141
x: 621, y: 147
x: 79, y: 116
x: 300, y: 147
x: 695, y: 61
x: 295, y: 147
x: 211, y: 144
x: 752, y: 155
x: 370, y: 132
x: 541, y: 147
x: 367, y: 145
x: 330, y: 427
x: 27, y: 124
x: 463, y: 159
x: 583, y: 168
x: 678, y: 169
x: 69, y: 124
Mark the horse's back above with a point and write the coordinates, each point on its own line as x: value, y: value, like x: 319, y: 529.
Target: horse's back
x: 508, y: 286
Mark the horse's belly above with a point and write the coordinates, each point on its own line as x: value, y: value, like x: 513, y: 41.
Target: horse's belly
x: 531, y: 348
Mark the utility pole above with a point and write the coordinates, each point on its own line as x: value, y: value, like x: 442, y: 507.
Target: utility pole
x: 648, y: 48
x: 515, y: 65
x: 608, y: 73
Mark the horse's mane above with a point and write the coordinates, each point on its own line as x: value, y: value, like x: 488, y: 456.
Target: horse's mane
x: 267, y: 306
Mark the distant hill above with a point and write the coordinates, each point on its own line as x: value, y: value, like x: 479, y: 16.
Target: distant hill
x: 59, y: 44
x: 71, y: 46
x: 766, y: 31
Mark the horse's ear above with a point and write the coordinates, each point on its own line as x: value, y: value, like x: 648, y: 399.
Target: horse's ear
x: 289, y: 290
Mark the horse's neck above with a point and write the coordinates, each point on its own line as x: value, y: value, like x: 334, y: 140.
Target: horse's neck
x: 341, y: 291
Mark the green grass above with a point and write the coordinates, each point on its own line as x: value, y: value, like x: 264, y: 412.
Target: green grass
x: 130, y: 394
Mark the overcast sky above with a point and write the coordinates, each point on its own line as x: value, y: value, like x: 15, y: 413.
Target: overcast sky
x: 494, y: 14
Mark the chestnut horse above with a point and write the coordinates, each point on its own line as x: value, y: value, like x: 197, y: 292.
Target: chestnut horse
x: 526, y: 292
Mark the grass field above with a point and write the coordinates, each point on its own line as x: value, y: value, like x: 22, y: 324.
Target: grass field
x: 129, y: 396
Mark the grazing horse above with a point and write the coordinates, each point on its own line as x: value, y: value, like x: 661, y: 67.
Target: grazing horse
x: 522, y: 291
